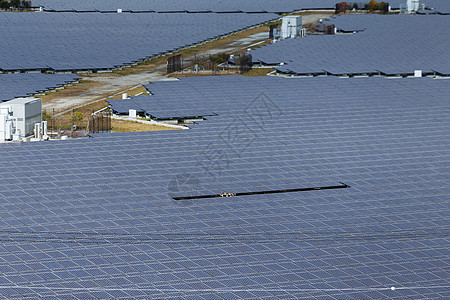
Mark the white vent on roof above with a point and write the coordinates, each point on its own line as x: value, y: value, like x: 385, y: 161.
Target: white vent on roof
x: 44, y: 130
x: 37, y: 131
x: 119, y: 10
x: 417, y: 73
x: 303, y: 32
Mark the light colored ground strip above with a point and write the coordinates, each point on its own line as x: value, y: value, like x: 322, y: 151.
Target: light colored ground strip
x: 149, y: 122
x: 114, y: 84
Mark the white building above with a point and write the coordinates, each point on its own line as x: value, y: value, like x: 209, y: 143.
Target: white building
x: 291, y: 27
x: 18, y: 118
x: 412, y: 5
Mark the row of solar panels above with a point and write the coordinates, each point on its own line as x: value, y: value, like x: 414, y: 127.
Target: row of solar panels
x: 185, y: 5
x: 95, y: 218
x: 27, y: 84
x: 193, y: 97
x: 61, y: 41
x: 204, y: 5
x: 387, y: 45
x: 435, y: 6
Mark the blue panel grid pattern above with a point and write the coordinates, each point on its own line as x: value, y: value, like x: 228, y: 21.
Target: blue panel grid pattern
x: 183, y: 5
x: 27, y: 84
x: 67, y: 41
x: 389, y: 45
x: 204, y: 5
x: 95, y: 218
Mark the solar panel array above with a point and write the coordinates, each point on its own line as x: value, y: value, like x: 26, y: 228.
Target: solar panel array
x: 209, y: 97
x: 204, y: 5
x: 440, y: 6
x: 27, y: 84
x: 95, y: 218
x: 66, y: 41
x: 184, y: 5
x: 393, y: 44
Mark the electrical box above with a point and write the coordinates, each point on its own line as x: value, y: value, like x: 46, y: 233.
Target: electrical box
x: 291, y: 26
x: 23, y: 114
x: 412, y: 5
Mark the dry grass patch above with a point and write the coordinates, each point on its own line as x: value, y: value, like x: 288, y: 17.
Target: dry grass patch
x: 255, y: 72
x: 130, y: 126
x: 83, y: 86
x: 64, y: 121
x: 231, y: 71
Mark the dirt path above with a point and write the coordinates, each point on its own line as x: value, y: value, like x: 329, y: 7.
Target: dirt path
x: 99, y: 87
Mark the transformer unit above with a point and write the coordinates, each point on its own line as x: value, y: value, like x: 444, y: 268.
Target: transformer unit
x: 6, y: 124
x: 291, y: 26
x: 412, y: 5
x: 18, y: 118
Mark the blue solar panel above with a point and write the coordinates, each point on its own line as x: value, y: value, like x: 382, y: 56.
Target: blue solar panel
x: 188, y: 6
x: 96, y: 218
x: 387, y: 45
x: 204, y: 5
x: 27, y: 84
x: 66, y: 41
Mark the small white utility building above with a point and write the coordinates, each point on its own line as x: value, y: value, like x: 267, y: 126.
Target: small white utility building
x: 18, y: 118
x: 291, y: 27
x: 412, y: 5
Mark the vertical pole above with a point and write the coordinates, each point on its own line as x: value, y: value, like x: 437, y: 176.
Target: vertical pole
x: 72, y: 122
x: 53, y: 116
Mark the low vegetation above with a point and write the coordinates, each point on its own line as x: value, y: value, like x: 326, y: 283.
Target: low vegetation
x: 14, y: 5
x: 130, y: 126
x: 372, y: 6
